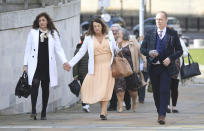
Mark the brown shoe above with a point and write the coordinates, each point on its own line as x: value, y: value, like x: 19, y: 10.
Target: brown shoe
x: 161, y: 120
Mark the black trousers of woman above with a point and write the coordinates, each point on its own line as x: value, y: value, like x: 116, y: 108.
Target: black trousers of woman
x: 45, y: 95
x: 174, y: 91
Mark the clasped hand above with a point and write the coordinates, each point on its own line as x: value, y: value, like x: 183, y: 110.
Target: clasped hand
x: 66, y: 66
x: 166, y: 62
x: 153, y: 53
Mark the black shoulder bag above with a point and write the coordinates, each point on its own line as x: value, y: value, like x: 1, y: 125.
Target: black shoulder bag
x: 22, y: 88
x: 75, y: 87
x: 190, y: 70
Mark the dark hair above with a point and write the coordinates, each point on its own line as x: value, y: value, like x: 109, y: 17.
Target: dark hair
x: 82, y: 38
x: 163, y: 12
x: 126, y: 34
x: 50, y: 24
x: 100, y: 21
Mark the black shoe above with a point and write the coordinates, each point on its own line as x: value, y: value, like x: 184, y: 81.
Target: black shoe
x: 44, y: 118
x: 168, y: 110
x: 103, y: 117
x: 110, y: 108
x: 33, y: 116
x: 161, y: 120
x: 128, y: 107
x: 175, y: 111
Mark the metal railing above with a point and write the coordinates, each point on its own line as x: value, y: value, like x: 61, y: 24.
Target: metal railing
x: 7, y: 5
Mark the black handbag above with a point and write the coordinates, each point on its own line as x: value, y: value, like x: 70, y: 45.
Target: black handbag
x: 172, y: 69
x: 134, y: 81
x: 190, y: 70
x: 23, y: 89
x: 75, y: 87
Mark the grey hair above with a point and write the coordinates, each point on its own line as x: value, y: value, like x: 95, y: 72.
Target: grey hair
x: 163, y: 12
x: 126, y: 34
x: 116, y: 25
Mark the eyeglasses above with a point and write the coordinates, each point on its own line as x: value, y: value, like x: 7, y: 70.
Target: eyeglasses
x: 115, y: 31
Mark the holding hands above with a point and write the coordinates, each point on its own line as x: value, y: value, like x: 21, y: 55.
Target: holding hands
x: 66, y: 66
x: 25, y: 68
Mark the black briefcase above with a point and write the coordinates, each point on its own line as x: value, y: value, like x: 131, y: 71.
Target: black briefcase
x: 75, y: 87
x: 190, y: 70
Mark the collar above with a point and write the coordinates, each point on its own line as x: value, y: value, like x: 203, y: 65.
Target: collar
x: 43, y: 35
x: 46, y: 31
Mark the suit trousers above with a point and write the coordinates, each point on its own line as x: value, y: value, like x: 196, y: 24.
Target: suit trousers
x: 161, y: 81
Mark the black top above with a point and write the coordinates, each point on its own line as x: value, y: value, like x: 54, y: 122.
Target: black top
x: 42, y: 70
x: 81, y: 68
x: 127, y: 54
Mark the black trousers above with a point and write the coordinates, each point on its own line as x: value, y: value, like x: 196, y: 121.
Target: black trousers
x: 174, y: 91
x: 81, y: 81
x: 141, y: 91
x: 114, y: 100
x: 45, y: 95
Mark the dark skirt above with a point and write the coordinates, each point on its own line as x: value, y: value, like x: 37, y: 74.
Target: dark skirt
x: 120, y: 85
x: 132, y: 82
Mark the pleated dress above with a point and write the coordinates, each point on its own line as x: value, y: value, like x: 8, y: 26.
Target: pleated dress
x: 99, y: 86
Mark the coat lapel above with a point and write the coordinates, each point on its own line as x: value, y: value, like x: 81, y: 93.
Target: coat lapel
x: 168, y: 37
x: 92, y: 44
x: 36, y: 39
x: 153, y: 39
x: 50, y: 43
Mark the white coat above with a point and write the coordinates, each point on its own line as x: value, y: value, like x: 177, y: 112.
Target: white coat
x: 185, y: 51
x: 185, y: 54
x: 88, y: 45
x: 31, y: 55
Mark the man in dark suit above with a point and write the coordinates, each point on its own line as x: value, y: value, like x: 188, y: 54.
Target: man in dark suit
x: 162, y: 47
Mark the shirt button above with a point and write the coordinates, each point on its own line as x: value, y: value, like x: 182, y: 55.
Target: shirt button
x: 33, y: 56
x: 34, y: 49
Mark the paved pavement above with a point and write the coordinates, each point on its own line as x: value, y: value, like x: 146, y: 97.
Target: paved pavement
x: 190, y: 105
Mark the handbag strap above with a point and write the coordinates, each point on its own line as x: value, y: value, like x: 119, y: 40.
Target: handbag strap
x: 24, y: 75
x: 189, y: 59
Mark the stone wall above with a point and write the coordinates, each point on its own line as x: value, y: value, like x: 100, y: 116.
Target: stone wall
x: 13, y: 5
x: 14, y: 28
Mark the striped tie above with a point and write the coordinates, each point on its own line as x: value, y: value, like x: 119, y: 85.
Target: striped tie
x: 160, y: 34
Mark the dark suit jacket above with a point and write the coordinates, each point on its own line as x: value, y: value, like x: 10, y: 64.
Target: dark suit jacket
x: 173, y: 48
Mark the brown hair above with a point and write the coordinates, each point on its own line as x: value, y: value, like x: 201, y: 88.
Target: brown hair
x: 50, y: 24
x: 100, y: 21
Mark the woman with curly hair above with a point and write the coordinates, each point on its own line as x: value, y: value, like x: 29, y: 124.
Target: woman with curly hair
x: 98, y: 83
x: 39, y: 60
